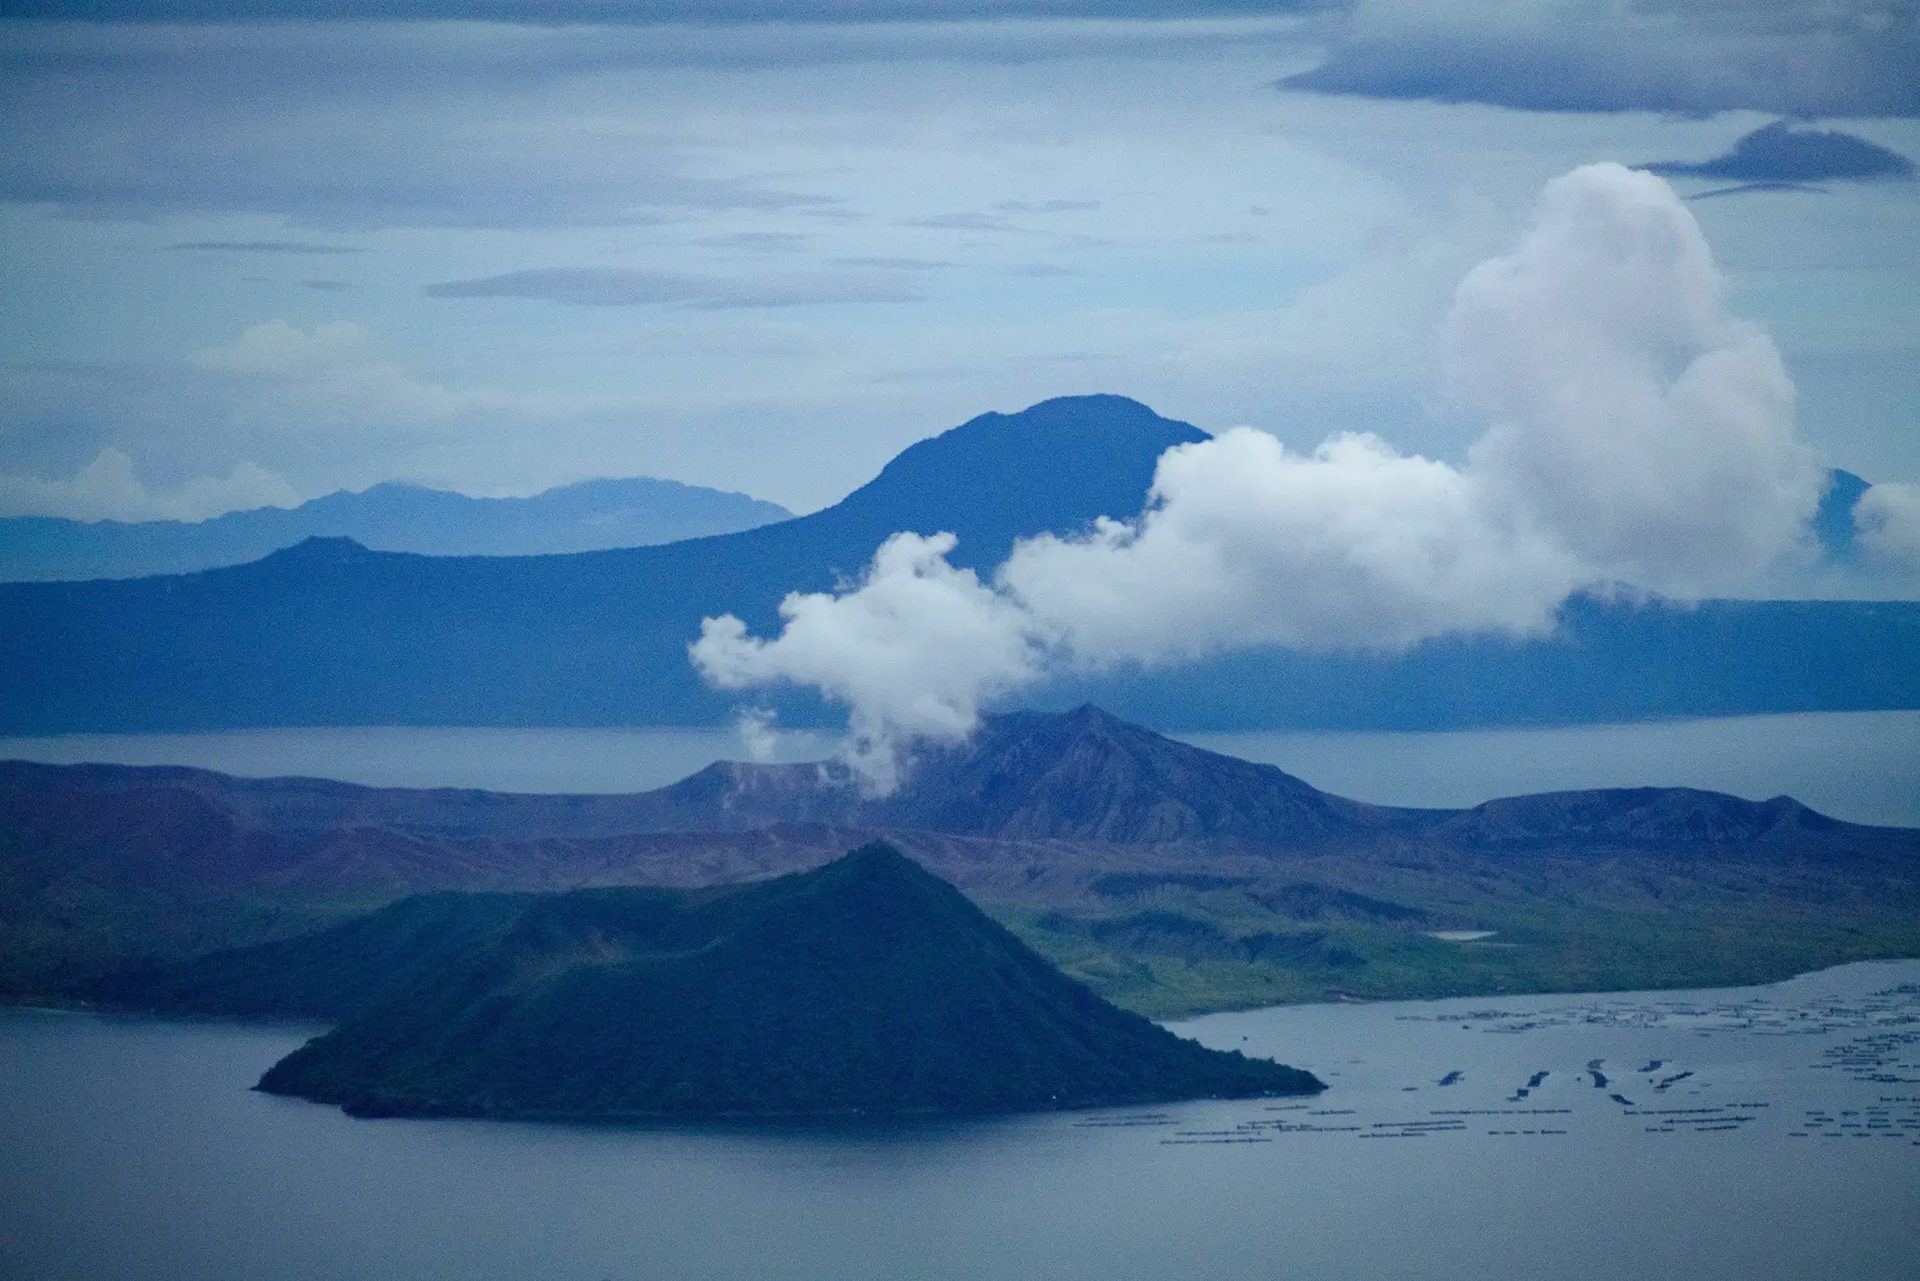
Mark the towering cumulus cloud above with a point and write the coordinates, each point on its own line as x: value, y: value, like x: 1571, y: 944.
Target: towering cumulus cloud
x: 1635, y: 433
x: 1627, y: 410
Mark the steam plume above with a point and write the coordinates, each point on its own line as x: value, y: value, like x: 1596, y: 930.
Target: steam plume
x: 1634, y: 432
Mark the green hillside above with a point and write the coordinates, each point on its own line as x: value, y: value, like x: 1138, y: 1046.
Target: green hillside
x: 867, y: 986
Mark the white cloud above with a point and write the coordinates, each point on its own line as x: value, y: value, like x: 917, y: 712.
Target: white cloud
x: 108, y: 488
x: 1888, y: 518
x: 1628, y: 410
x: 913, y: 649
x: 332, y: 376
x: 1634, y: 430
x: 327, y: 406
x: 1243, y: 543
x: 277, y: 349
x: 333, y: 394
x: 755, y: 728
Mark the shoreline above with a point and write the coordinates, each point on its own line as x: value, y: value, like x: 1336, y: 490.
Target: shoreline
x: 50, y: 1005
x: 1621, y: 993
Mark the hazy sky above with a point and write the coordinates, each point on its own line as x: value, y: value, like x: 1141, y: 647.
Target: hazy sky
x: 247, y: 256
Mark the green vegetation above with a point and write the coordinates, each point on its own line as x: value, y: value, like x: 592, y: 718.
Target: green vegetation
x: 1169, y: 879
x: 1562, y: 950
x: 867, y: 986
x: 331, y: 973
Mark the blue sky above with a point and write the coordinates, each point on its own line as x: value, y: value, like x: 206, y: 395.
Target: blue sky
x: 264, y: 258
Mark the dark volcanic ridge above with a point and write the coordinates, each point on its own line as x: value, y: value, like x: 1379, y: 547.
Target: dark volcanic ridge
x: 1170, y: 877
x: 865, y: 987
x: 1083, y: 776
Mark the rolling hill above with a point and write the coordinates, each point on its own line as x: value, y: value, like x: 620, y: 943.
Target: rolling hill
x: 1169, y: 877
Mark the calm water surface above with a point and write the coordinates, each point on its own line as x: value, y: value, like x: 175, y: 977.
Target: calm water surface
x: 1860, y: 766
x: 1741, y: 1133
x: 1863, y: 766
x: 507, y: 760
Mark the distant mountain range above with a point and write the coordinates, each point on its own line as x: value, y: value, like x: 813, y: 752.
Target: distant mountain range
x: 866, y: 986
x: 587, y: 516
x: 1168, y: 876
x: 331, y: 633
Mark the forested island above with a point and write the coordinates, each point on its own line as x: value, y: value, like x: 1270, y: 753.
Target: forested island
x: 865, y: 987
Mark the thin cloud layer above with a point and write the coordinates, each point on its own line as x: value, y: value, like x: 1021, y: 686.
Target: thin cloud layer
x: 1635, y: 433
x: 502, y: 124
x: 634, y: 287
x: 639, y: 12
x: 340, y: 126
x: 1796, y: 57
x: 293, y: 247
x: 109, y: 488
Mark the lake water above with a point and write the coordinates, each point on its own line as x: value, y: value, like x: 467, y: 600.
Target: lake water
x: 1862, y: 766
x: 1741, y: 1133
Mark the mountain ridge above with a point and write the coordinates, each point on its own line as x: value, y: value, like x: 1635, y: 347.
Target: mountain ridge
x: 379, y: 637
x: 393, y: 516
x: 1172, y: 878
x: 331, y: 636
x: 1082, y: 775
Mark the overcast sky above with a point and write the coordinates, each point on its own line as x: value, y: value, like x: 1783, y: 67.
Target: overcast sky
x: 265, y: 251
